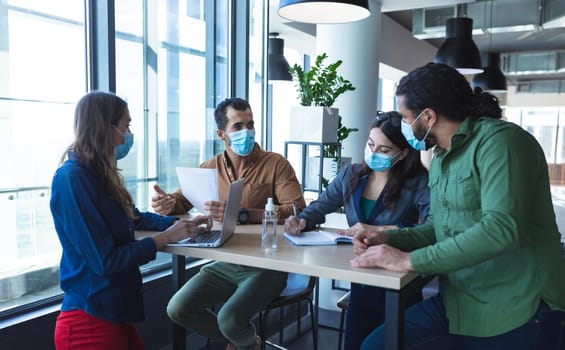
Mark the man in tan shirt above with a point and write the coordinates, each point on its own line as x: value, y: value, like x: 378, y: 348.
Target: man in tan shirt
x: 244, y: 290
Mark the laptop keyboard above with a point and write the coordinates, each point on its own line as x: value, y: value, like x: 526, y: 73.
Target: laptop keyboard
x: 212, y: 236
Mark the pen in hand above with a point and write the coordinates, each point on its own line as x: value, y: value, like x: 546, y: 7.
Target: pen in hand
x: 296, y: 216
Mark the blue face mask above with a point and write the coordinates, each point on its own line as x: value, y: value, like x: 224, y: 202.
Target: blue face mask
x: 378, y: 161
x: 120, y: 151
x: 408, y: 133
x: 242, y: 142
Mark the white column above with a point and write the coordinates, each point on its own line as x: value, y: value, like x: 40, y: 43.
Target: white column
x: 356, y: 44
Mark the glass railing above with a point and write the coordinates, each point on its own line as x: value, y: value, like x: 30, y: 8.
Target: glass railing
x: 30, y: 250
x: 29, y: 247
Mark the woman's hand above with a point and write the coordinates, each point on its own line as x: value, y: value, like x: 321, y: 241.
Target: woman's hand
x: 215, y: 209
x: 353, y: 230
x: 366, y: 235
x: 385, y: 257
x: 293, y: 225
x: 162, y: 202
x: 182, y: 229
x: 360, y: 227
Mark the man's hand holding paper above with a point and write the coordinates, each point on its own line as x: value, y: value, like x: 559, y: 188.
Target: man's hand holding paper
x: 215, y: 209
x: 200, y: 187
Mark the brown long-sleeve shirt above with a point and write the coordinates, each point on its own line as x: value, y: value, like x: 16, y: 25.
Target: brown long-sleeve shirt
x: 266, y: 174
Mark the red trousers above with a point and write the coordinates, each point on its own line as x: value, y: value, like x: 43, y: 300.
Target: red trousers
x: 78, y: 330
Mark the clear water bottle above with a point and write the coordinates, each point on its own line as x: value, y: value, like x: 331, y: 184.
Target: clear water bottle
x: 269, y: 229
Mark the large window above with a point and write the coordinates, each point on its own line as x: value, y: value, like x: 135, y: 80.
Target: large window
x: 547, y: 125
x: 283, y: 98
x: 173, y: 65
x: 42, y: 74
x: 163, y: 56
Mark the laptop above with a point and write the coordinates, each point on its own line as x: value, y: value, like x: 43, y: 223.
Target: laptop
x: 216, y: 238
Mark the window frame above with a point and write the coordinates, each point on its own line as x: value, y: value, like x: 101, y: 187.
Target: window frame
x: 100, y: 63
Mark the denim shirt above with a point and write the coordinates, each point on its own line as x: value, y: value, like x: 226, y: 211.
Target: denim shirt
x: 411, y: 207
x: 99, y: 268
x: 492, y: 234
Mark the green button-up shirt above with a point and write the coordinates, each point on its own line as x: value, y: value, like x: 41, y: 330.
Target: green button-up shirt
x: 492, y: 234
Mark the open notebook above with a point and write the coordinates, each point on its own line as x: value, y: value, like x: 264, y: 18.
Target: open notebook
x: 216, y: 238
x: 318, y: 238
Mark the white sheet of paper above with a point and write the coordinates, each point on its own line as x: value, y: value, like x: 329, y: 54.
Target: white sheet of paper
x: 198, y: 185
x: 319, y: 237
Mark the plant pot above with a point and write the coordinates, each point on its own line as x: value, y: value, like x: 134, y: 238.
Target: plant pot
x: 313, y: 124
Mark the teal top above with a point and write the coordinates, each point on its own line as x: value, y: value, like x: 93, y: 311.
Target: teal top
x: 367, y: 206
x: 491, y: 234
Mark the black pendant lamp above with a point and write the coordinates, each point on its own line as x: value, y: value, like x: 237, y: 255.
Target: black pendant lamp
x: 277, y: 65
x: 491, y: 79
x: 324, y: 12
x: 458, y: 50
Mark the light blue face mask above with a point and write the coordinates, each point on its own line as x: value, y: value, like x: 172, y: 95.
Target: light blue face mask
x: 120, y: 151
x: 378, y: 161
x: 242, y: 142
x: 408, y: 133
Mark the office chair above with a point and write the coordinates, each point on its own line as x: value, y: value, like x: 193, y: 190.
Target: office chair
x: 342, y: 303
x: 293, y: 293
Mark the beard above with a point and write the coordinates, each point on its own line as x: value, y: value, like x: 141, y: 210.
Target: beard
x: 420, y: 133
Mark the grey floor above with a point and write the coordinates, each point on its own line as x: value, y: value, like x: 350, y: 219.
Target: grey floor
x: 327, y: 335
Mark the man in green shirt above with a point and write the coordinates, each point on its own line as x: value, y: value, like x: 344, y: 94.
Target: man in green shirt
x: 491, y: 235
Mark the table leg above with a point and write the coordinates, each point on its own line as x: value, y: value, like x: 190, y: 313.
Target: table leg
x: 395, y: 304
x: 394, y: 320
x: 179, y: 334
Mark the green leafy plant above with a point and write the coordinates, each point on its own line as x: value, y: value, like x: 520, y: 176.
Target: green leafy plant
x: 321, y: 86
x: 331, y: 151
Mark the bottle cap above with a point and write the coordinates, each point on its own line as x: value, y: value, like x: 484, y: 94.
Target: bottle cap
x: 270, y: 206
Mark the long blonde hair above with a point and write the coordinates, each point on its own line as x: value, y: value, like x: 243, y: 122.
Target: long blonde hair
x: 96, y: 115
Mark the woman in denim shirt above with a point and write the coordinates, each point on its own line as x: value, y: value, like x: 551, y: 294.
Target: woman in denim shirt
x: 95, y: 219
x: 389, y: 189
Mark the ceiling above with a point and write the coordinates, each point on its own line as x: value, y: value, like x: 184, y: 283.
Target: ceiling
x: 529, y: 34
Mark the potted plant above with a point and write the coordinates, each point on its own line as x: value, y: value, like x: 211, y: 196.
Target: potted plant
x: 321, y: 85
x: 316, y: 120
x: 332, y: 151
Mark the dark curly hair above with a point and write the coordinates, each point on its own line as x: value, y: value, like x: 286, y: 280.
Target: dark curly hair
x: 443, y: 89
x: 409, y: 167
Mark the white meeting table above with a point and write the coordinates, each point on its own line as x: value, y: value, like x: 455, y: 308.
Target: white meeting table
x: 333, y: 262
